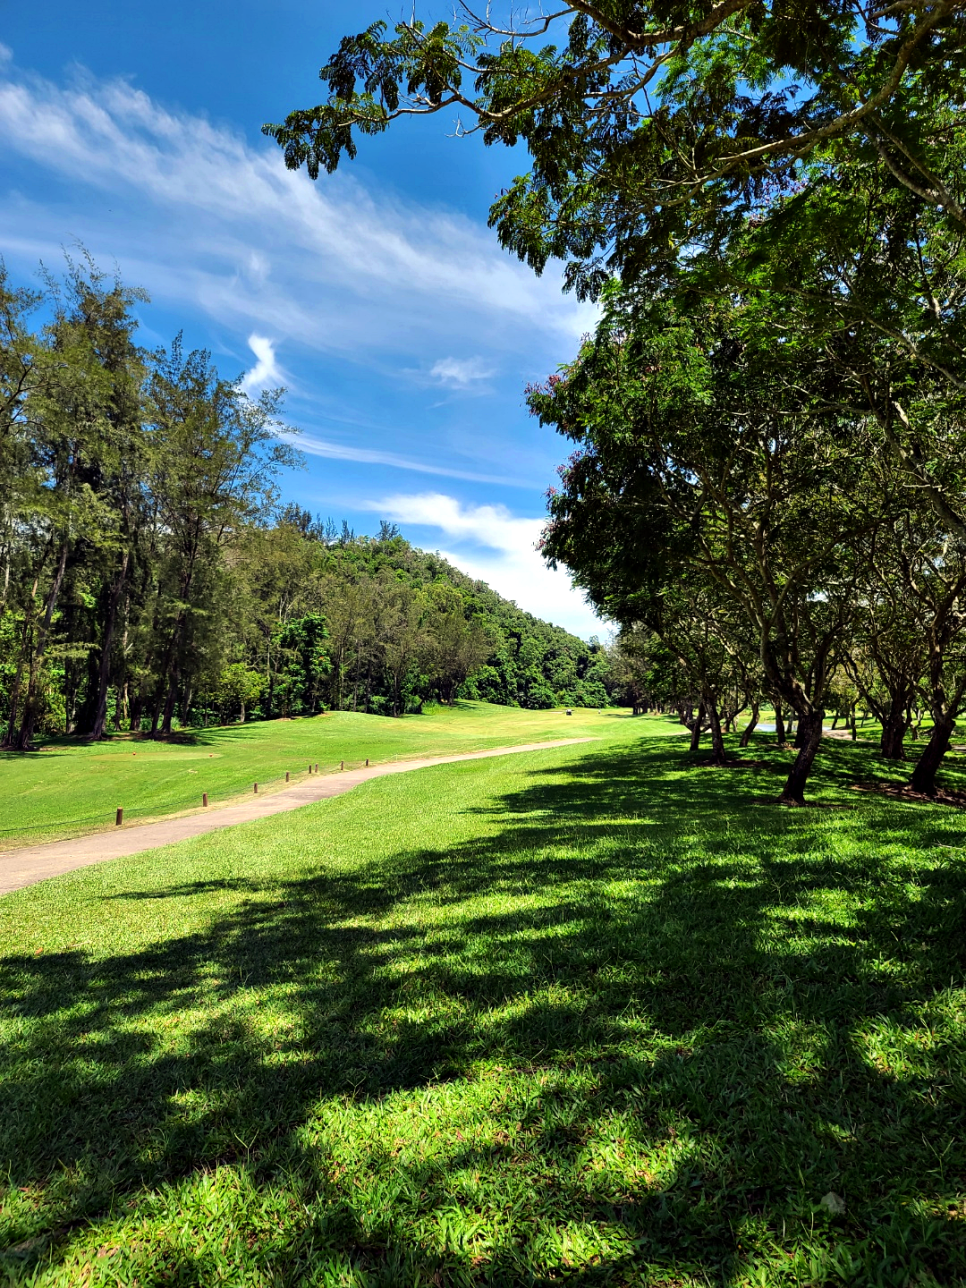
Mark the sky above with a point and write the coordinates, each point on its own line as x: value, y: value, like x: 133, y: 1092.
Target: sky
x: 377, y: 296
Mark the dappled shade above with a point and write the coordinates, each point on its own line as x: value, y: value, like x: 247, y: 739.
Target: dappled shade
x: 631, y: 1019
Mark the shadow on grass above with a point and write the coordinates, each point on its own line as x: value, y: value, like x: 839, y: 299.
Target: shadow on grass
x: 751, y: 999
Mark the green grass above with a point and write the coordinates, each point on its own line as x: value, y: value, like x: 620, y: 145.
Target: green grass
x: 590, y: 1015
x: 67, y: 787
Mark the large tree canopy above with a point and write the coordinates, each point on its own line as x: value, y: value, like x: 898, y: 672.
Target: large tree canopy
x: 657, y: 126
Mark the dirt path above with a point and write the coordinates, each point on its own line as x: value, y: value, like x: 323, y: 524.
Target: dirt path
x: 24, y: 867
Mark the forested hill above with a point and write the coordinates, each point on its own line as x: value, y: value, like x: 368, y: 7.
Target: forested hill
x: 149, y: 579
x: 296, y: 617
x: 327, y: 618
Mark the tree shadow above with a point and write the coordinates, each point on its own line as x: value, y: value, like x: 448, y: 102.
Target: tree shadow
x: 755, y: 1005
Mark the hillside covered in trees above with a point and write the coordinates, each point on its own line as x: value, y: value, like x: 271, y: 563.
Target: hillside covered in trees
x: 151, y: 577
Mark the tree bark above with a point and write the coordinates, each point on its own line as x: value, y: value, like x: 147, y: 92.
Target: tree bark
x: 924, y: 775
x: 717, y: 741
x: 779, y: 725
x: 99, y: 726
x: 696, y: 724
x: 793, y: 793
x: 893, y: 732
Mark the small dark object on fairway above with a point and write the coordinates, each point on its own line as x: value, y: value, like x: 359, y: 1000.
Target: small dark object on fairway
x: 569, y: 712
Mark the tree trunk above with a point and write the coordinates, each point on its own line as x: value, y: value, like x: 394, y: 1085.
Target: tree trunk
x: 927, y: 766
x: 750, y: 728
x: 170, y: 703
x: 893, y: 732
x: 99, y: 726
x: 793, y: 793
x: 717, y: 741
x: 696, y: 724
x: 779, y: 725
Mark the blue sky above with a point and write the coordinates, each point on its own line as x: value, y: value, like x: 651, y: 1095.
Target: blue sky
x: 377, y: 297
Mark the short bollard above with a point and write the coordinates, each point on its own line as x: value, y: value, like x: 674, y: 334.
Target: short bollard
x: 367, y: 762
x: 256, y: 789
x: 316, y: 766
x: 204, y: 800
x: 342, y: 764
x: 310, y: 769
x: 119, y: 819
x: 286, y: 775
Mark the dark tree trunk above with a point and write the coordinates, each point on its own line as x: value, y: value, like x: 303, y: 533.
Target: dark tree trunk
x: 750, y: 728
x: 927, y: 766
x: 717, y: 741
x: 779, y: 725
x: 893, y: 732
x: 793, y: 793
x: 170, y: 703
x: 696, y: 723
x: 99, y: 725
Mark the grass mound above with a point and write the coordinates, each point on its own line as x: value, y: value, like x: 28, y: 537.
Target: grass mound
x: 585, y: 1015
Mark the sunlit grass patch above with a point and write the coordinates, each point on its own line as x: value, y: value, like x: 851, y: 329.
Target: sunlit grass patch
x: 591, y: 1013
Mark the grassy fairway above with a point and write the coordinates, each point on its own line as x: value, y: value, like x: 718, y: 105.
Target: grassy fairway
x: 591, y: 1015
x: 68, y: 788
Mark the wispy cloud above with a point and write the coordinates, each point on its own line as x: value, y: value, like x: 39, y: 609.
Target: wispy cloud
x: 198, y: 214
x: 457, y: 373
x: 266, y: 373
x: 497, y: 547
x: 315, y: 446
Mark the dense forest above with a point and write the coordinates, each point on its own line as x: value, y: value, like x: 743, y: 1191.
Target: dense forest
x: 151, y: 577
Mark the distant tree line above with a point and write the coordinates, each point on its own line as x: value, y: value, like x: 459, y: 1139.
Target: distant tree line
x: 150, y: 578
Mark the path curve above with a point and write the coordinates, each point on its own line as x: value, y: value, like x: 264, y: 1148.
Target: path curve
x: 24, y: 867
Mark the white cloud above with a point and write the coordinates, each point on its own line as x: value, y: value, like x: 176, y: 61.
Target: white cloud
x: 494, y: 546
x: 6, y: 55
x: 195, y: 213
x: 266, y: 373
x: 459, y: 373
x: 316, y: 446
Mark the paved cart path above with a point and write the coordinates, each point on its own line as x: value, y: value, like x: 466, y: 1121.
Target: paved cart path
x: 24, y: 867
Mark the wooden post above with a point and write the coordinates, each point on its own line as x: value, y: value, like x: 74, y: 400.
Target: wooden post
x: 256, y: 789
x: 316, y: 766
x: 286, y: 775
x: 367, y: 762
x: 342, y: 764
x: 119, y: 818
x: 310, y: 769
x: 204, y: 800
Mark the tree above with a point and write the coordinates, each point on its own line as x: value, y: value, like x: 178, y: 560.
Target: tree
x: 214, y: 460
x: 652, y: 128
x: 703, y: 458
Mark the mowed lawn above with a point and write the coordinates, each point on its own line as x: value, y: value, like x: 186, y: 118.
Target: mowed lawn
x: 69, y: 787
x: 593, y: 1015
